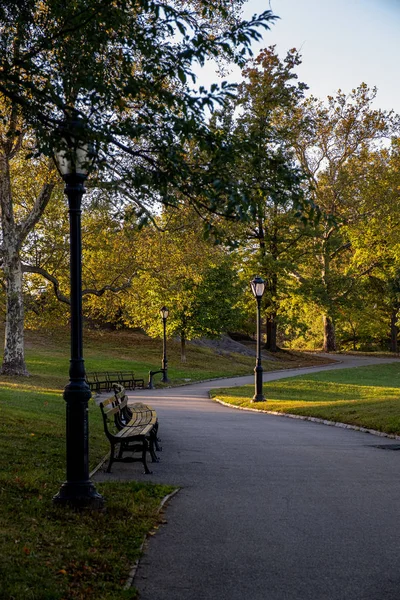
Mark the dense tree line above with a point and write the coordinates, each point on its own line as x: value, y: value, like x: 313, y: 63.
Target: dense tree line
x: 195, y: 191
x: 118, y: 75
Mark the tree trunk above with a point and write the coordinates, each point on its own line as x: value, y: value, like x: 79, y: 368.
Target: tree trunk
x: 354, y: 339
x: 273, y: 290
x: 394, y: 331
x: 183, y: 347
x: 271, y: 333
x: 329, y: 334
x: 14, y: 234
x: 13, y: 360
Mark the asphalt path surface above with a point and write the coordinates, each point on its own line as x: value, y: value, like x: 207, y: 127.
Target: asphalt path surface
x: 269, y: 508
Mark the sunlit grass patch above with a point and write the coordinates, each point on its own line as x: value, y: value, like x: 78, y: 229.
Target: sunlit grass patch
x: 366, y: 396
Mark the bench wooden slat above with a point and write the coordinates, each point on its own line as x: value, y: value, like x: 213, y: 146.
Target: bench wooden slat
x: 142, y: 430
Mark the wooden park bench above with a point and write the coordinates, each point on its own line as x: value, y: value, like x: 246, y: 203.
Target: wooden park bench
x: 104, y: 381
x: 97, y: 382
x: 132, y: 428
x: 127, y: 379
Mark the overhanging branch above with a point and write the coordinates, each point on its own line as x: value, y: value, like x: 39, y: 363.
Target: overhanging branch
x: 88, y: 291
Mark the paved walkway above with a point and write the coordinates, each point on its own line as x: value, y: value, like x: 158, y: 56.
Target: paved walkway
x: 270, y: 508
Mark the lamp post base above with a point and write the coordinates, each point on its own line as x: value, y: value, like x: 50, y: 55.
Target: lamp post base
x: 164, y: 367
x: 258, y: 377
x: 258, y: 398
x: 79, y: 495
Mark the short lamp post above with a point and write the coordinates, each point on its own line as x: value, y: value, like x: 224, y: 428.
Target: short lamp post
x: 164, y: 315
x: 257, y: 287
x: 73, y: 160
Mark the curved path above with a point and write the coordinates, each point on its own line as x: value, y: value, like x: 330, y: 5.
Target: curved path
x: 270, y: 508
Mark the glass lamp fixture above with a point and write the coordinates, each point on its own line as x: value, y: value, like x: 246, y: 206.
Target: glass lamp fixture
x: 257, y: 287
x: 164, y: 312
x: 73, y: 156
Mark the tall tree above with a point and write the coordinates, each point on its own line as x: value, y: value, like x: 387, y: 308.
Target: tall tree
x: 125, y: 70
x: 267, y: 171
x: 329, y: 136
x: 21, y: 209
x: 375, y: 239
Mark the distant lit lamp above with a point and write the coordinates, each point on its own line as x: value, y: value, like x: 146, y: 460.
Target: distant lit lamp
x: 164, y: 315
x: 73, y: 159
x: 258, y: 287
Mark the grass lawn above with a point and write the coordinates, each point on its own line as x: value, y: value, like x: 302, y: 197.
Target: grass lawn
x: 53, y: 553
x: 365, y: 396
x: 121, y: 350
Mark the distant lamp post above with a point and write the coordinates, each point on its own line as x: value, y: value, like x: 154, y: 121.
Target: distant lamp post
x: 164, y: 315
x: 257, y: 287
x: 73, y: 159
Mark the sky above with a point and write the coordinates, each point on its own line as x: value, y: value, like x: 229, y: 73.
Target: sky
x: 342, y: 42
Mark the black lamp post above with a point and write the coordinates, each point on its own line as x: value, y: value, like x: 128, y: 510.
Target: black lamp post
x: 164, y: 315
x: 257, y: 287
x: 73, y: 159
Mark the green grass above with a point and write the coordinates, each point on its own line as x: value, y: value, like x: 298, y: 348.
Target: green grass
x: 122, y: 350
x: 52, y: 553
x: 365, y: 396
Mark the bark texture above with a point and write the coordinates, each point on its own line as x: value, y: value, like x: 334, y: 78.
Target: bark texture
x: 183, y: 347
x: 14, y: 359
x: 271, y: 344
x: 13, y: 235
x: 329, y: 334
x: 394, y: 331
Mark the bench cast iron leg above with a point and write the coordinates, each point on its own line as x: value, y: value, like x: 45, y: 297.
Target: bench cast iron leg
x: 144, y: 452
x: 156, y: 438
x: 111, y: 460
x: 154, y: 457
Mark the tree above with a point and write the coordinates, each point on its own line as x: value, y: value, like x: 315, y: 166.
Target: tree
x: 18, y: 218
x: 267, y: 172
x: 329, y: 136
x: 35, y: 245
x: 375, y: 239
x: 193, y: 277
x: 120, y: 70
x: 109, y: 257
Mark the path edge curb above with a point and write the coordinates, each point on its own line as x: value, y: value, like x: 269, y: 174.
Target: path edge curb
x: 134, y: 568
x: 312, y: 419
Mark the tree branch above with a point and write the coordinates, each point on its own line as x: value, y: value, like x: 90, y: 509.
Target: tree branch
x: 56, y: 286
x: 40, y: 204
x: 106, y: 288
x: 354, y: 279
x: 345, y: 246
x: 297, y: 276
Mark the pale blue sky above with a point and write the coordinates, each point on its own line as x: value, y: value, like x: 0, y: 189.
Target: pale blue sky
x: 342, y: 42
